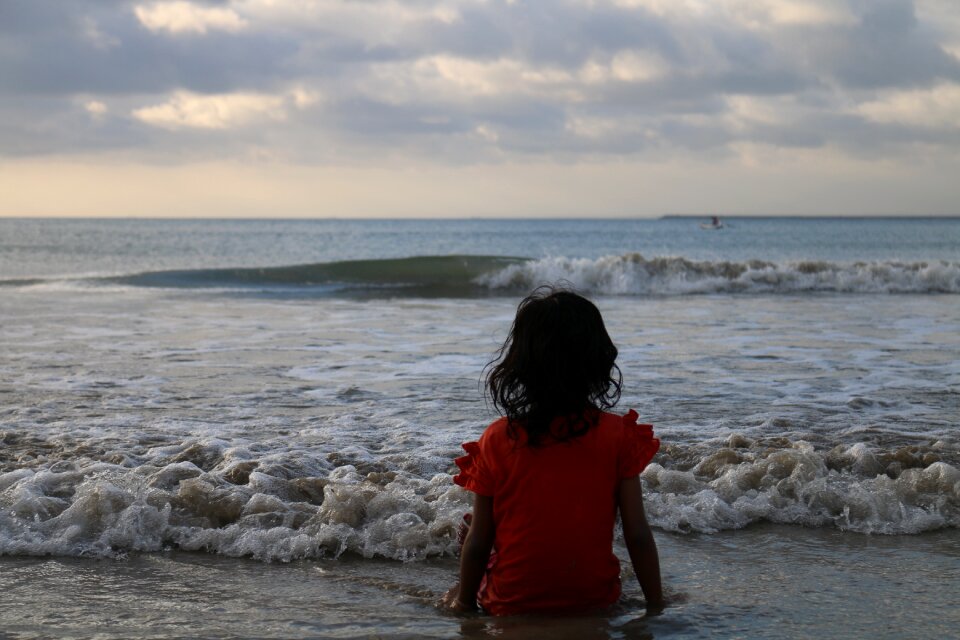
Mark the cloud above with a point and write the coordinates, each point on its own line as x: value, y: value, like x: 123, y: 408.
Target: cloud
x: 808, y: 13
x: 95, y: 108
x: 99, y: 39
x: 180, y: 17
x: 462, y: 81
x: 750, y: 13
x: 936, y: 108
x: 451, y: 79
x: 186, y: 110
x: 731, y: 86
x: 372, y: 20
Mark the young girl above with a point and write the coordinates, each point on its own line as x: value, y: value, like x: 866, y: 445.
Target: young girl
x: 549, y: 477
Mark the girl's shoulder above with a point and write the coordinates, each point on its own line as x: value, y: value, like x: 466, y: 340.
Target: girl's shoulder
x: 497, y: 426
x: 636, y: 442
x: 627, y: 422
x: 613, y: 426
x: 496, y: 431
x: 500, y: 428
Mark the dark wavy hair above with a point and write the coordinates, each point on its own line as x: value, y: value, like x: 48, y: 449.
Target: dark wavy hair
x: 557, y: 363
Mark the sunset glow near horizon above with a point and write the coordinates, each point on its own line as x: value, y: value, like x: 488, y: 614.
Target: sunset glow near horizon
x: 386, y: 108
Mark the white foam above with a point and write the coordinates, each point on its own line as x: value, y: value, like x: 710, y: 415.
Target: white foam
x: 797, y: 486
x: 632, y: 274
x: 108, y: 510
x: 270, y: 508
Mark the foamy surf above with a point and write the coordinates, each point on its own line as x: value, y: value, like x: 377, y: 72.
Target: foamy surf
x: 205, y: 495
x: 634, y: 275
x: 851, y: 488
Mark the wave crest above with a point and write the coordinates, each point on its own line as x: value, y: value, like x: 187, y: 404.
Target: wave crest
x: 633, y: 274
x: 852, y: 488
x: 205, y: 496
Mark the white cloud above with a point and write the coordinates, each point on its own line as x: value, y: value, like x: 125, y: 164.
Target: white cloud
x: 637, y: 66
x: 751, y: 13
x: 187, y: 110
x: 303, y: 98
x: 681, y: 8
x: 95, y: 36
x: 745, y: 112
x: 593, y: 127
x: 932, y: 108
x: 184, y: 17
x: 629, y: 66
x: 373, y: 21
x: 95, y: 108
x: 487, y: 133
x: 944, y: 17
x: 454, y: 78
x: 472, y: 77
x: 809, y: 13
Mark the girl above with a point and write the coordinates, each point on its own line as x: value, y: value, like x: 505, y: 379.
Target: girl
x: 549, y: 476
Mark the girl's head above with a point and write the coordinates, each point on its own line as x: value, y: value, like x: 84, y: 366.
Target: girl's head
x: 557, y: 362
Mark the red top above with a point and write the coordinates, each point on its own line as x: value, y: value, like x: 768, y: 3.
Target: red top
x: 554, y: 508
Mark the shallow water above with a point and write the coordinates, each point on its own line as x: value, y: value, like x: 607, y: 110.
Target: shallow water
x: 156, y: 418
x: 770, y: 581
x: 274, y: 460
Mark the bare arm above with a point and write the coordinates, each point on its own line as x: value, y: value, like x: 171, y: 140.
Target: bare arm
x: 640, y: 543
x: 475, y: 554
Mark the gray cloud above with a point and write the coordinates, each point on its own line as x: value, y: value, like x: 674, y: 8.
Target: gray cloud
x: 109, y: 52
x: 497, y: 80
x: 886, y: 48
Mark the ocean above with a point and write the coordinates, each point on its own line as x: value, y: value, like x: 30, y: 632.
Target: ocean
x: 246, y: 428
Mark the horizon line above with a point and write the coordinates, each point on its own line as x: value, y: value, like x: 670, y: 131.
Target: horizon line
x: 665, y: 216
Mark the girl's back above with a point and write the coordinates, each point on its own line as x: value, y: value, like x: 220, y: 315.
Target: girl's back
x: 550, y: 476
x: 554, y: 511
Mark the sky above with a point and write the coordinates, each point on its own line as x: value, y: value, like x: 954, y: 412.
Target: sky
x: 423, y: 108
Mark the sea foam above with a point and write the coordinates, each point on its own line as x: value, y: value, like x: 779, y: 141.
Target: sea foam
x: 200, y: 497
x: 634, y: 274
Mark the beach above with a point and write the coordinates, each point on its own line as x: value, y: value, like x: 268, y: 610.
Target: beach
x: 247, y: 428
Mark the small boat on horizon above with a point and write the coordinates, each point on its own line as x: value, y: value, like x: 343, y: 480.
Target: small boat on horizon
x: 714, y: 223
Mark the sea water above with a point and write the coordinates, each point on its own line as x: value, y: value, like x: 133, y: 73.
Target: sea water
x: 247, y: 417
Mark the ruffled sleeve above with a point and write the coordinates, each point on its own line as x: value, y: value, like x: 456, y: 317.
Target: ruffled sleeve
x: 474, y: 473
x: 639, y: 446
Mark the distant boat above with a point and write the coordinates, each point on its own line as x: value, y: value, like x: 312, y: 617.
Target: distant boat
x: 713, y: 224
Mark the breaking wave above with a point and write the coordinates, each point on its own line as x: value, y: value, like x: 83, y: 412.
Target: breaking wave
x: 631, y: 274
x: 206, y: 495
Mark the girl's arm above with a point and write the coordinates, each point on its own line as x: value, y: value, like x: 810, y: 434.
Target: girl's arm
x: 475, y: 554
x: 640, y: 543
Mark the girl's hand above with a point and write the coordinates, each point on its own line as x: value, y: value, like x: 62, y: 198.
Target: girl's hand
x: 447, y: 599
x: 655, y: 608
x: 670, y: 598
x: 460, y: 607
x: 451, y: 600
